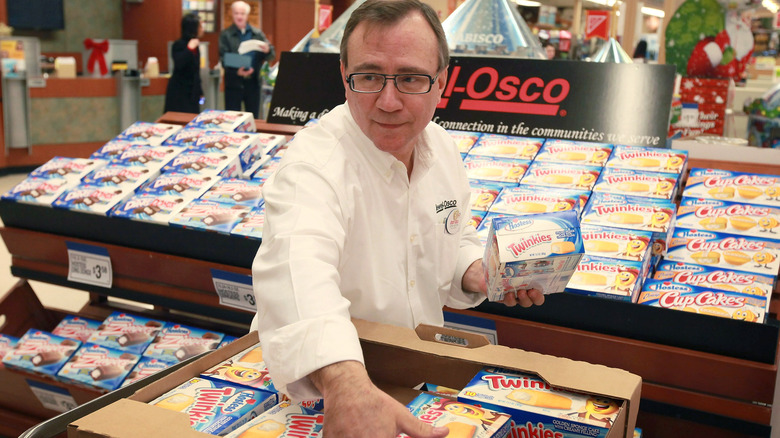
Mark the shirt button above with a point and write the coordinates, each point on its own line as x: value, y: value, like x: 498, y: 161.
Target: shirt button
x: 412, y: 238
x: 411, y: 283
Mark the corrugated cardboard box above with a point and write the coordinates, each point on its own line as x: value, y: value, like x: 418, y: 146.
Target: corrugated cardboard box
x: 396, y: 358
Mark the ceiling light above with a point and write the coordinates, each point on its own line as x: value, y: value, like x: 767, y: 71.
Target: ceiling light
x: 528, y: 3
x: 656, y: 12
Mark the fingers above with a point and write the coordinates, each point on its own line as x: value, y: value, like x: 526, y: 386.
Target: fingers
x: 524, y: 298
x: 418, y: 429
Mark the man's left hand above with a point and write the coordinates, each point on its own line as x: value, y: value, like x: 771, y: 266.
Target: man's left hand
x: 474, y: 281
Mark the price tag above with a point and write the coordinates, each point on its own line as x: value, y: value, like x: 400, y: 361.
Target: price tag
x: 89, y: 264
x: 689, y: 116
x: 234, y: 290
x: 52, y: 397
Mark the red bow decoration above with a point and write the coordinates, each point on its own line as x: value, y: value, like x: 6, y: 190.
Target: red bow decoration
x: 97, y: 56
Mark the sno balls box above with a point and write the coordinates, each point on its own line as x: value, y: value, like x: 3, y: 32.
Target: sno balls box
x: 538, y: 251
x: 537, y: 409
x: 384, y: 346
x: 724, y: 185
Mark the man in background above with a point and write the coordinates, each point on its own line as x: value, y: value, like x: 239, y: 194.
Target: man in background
x: 243, y: 85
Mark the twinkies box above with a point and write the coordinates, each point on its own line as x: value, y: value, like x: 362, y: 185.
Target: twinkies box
x: 729, y: 217
x: 283, y: 420
x: 464, y: 140
x: 522, y: 201
x: 649, y: 159
x: 567, y: 176
x: 484, y: 193
x: 247, y: 368
x: 495, y: 169
x: 637, y: 183
x: 538, y: 409
x: 619, y: 243
x: 507, y: 146
x: 238, y: 121
x: 425, y: 356
x: 606, y: 277
x: 703, y: 300
x: 538, y: 251
x: 749, y: 283
x: 462, y: 419
x: 724, y: 185
x: 575, y: 152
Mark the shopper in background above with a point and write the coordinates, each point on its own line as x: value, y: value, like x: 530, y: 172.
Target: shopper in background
x: 549, y: 49
x: 366, y: 217
x: 243, y: 85
x: 184, y: 89
x: 640, y: 53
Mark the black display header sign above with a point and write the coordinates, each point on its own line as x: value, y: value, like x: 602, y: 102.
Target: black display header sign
x: 574, y: 100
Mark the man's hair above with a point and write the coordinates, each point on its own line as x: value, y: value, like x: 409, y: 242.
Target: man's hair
x: 388, y: 12
x: 190, y: 24
x: 242, y: 4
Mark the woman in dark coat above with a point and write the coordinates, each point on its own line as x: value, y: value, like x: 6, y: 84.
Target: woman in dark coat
x: 184, y: 90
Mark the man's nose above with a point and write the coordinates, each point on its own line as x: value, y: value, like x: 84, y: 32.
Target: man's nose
x: 390, y: 99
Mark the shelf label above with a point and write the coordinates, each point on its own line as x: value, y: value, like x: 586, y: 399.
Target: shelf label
x: 689, y: 116
x: 234, y: 290
x: 52, y: 397
x: 473, y: 324
x: 89, y: 264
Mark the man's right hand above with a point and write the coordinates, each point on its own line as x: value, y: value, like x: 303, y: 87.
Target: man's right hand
x: 354, y: 405
x: 245, y: 71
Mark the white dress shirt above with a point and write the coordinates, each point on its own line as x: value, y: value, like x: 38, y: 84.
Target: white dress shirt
x: 349, y: 234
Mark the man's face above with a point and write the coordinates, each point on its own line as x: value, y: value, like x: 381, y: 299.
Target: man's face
x: 393, y: 120
x: 550, y: 52
x: 239, y: 16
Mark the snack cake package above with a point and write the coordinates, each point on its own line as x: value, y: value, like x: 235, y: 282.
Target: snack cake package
x: 729, y: 251
x: 76, y: 327
x: 40, y: 191
x: 186, y: 137
x: 72, y: 169
x: 211, y: 119
x: 113, y: 149
x: 537, y: 409
x: 235, y: 191
x: 567, y: 176
x: 749, y: 283
x: 251, y: 226
x: 179, y: 184
x: 724, y: 185
x: 477, y: 216
x: 148, y: 133
x: 464, y: 140
x: 227, y: 340
x: 210, y: 216
x: 484, y: 193
x: 235, y: 142
x: 96, y: 366
x: 246, y: 368
x: 270, y: 143
x: 152, y: 157
x: 7, y: 343
x: 582, y: 194
x: 462, y: 419
x: 121, y: 175
x: 495, y: 169
x: 145, y: 367
x: 637, y: 183
x: 649, y: 159
x: 41, y: 352
x: 283, y: 420
x: 483, y: 230
x: 703, y: 300
x: 178, y: 342
x: 522, y: 201
x: 729, y: 217
x: 507, y: 146
x: 619, y: 243
x: 191, y: 161
x: 216, y: 407
x: 263, y: 169
x: 575, y: 152
x: 128, y: 332
x: 606, y: 277
x: 91, y: 198
x: 150, y: 207
x: 538, y: 251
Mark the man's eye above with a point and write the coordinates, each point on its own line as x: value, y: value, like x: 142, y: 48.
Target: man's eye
x: 410, y: 79
x: 370, y: 78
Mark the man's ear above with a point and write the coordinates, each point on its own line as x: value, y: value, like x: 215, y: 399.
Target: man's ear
x: 343, y: 68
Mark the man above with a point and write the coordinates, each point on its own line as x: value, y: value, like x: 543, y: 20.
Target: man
x: 365, y: 218
x: 243, y: 84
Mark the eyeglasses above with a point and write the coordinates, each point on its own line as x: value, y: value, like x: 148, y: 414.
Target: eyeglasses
x: 405, y: 83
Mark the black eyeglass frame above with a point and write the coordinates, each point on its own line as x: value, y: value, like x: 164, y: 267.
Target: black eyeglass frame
x: 431, y: 81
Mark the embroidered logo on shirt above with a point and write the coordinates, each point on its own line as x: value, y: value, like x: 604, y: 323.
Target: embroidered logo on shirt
x: 445, y: 205
x: 452, y: 223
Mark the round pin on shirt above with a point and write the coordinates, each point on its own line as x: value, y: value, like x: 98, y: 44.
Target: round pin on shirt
x: 452, y: 223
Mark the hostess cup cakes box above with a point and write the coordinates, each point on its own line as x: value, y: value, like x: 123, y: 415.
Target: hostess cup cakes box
x: 567, y: 176
x: 92, y: 198
x: 462, y: 419
x: 178, y: 342
x: 179, y: 184
x: 724, y: 185
x: 575, y: 152
x: 649, y: 159
x: 464, y: 140
x: 153, y: 134
x: 507, y: 146
x: 251, y: 226
x: 150, y: 207
x: 216, y: 407
x: 283, y: 420
x: 96, y: 366
x: 153, y: 157
x: 76, y: 327
x: 495, y: 169
x: 238, y: 121
x: 728, y: 251
x: 121, y: 175
x: 112, y: 149
x: 41, y: 353
x: 749, y: 283
x: 7, y: 343
x: 606, y: 277
x: 754, y: 220
x: 235, y: 191
x: 72, y: 169
x: 703, y: 300
x: 128, y: 332
x: 246, y: 368
x: 538, y: 251
x: 539, y: 410
x: 36, y: 190
x: 637, y: 183
x: 146, y: 366
x: 210, y: 216
x: 225, y: 164
x: 522, y: 201
x: 483, y: 193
